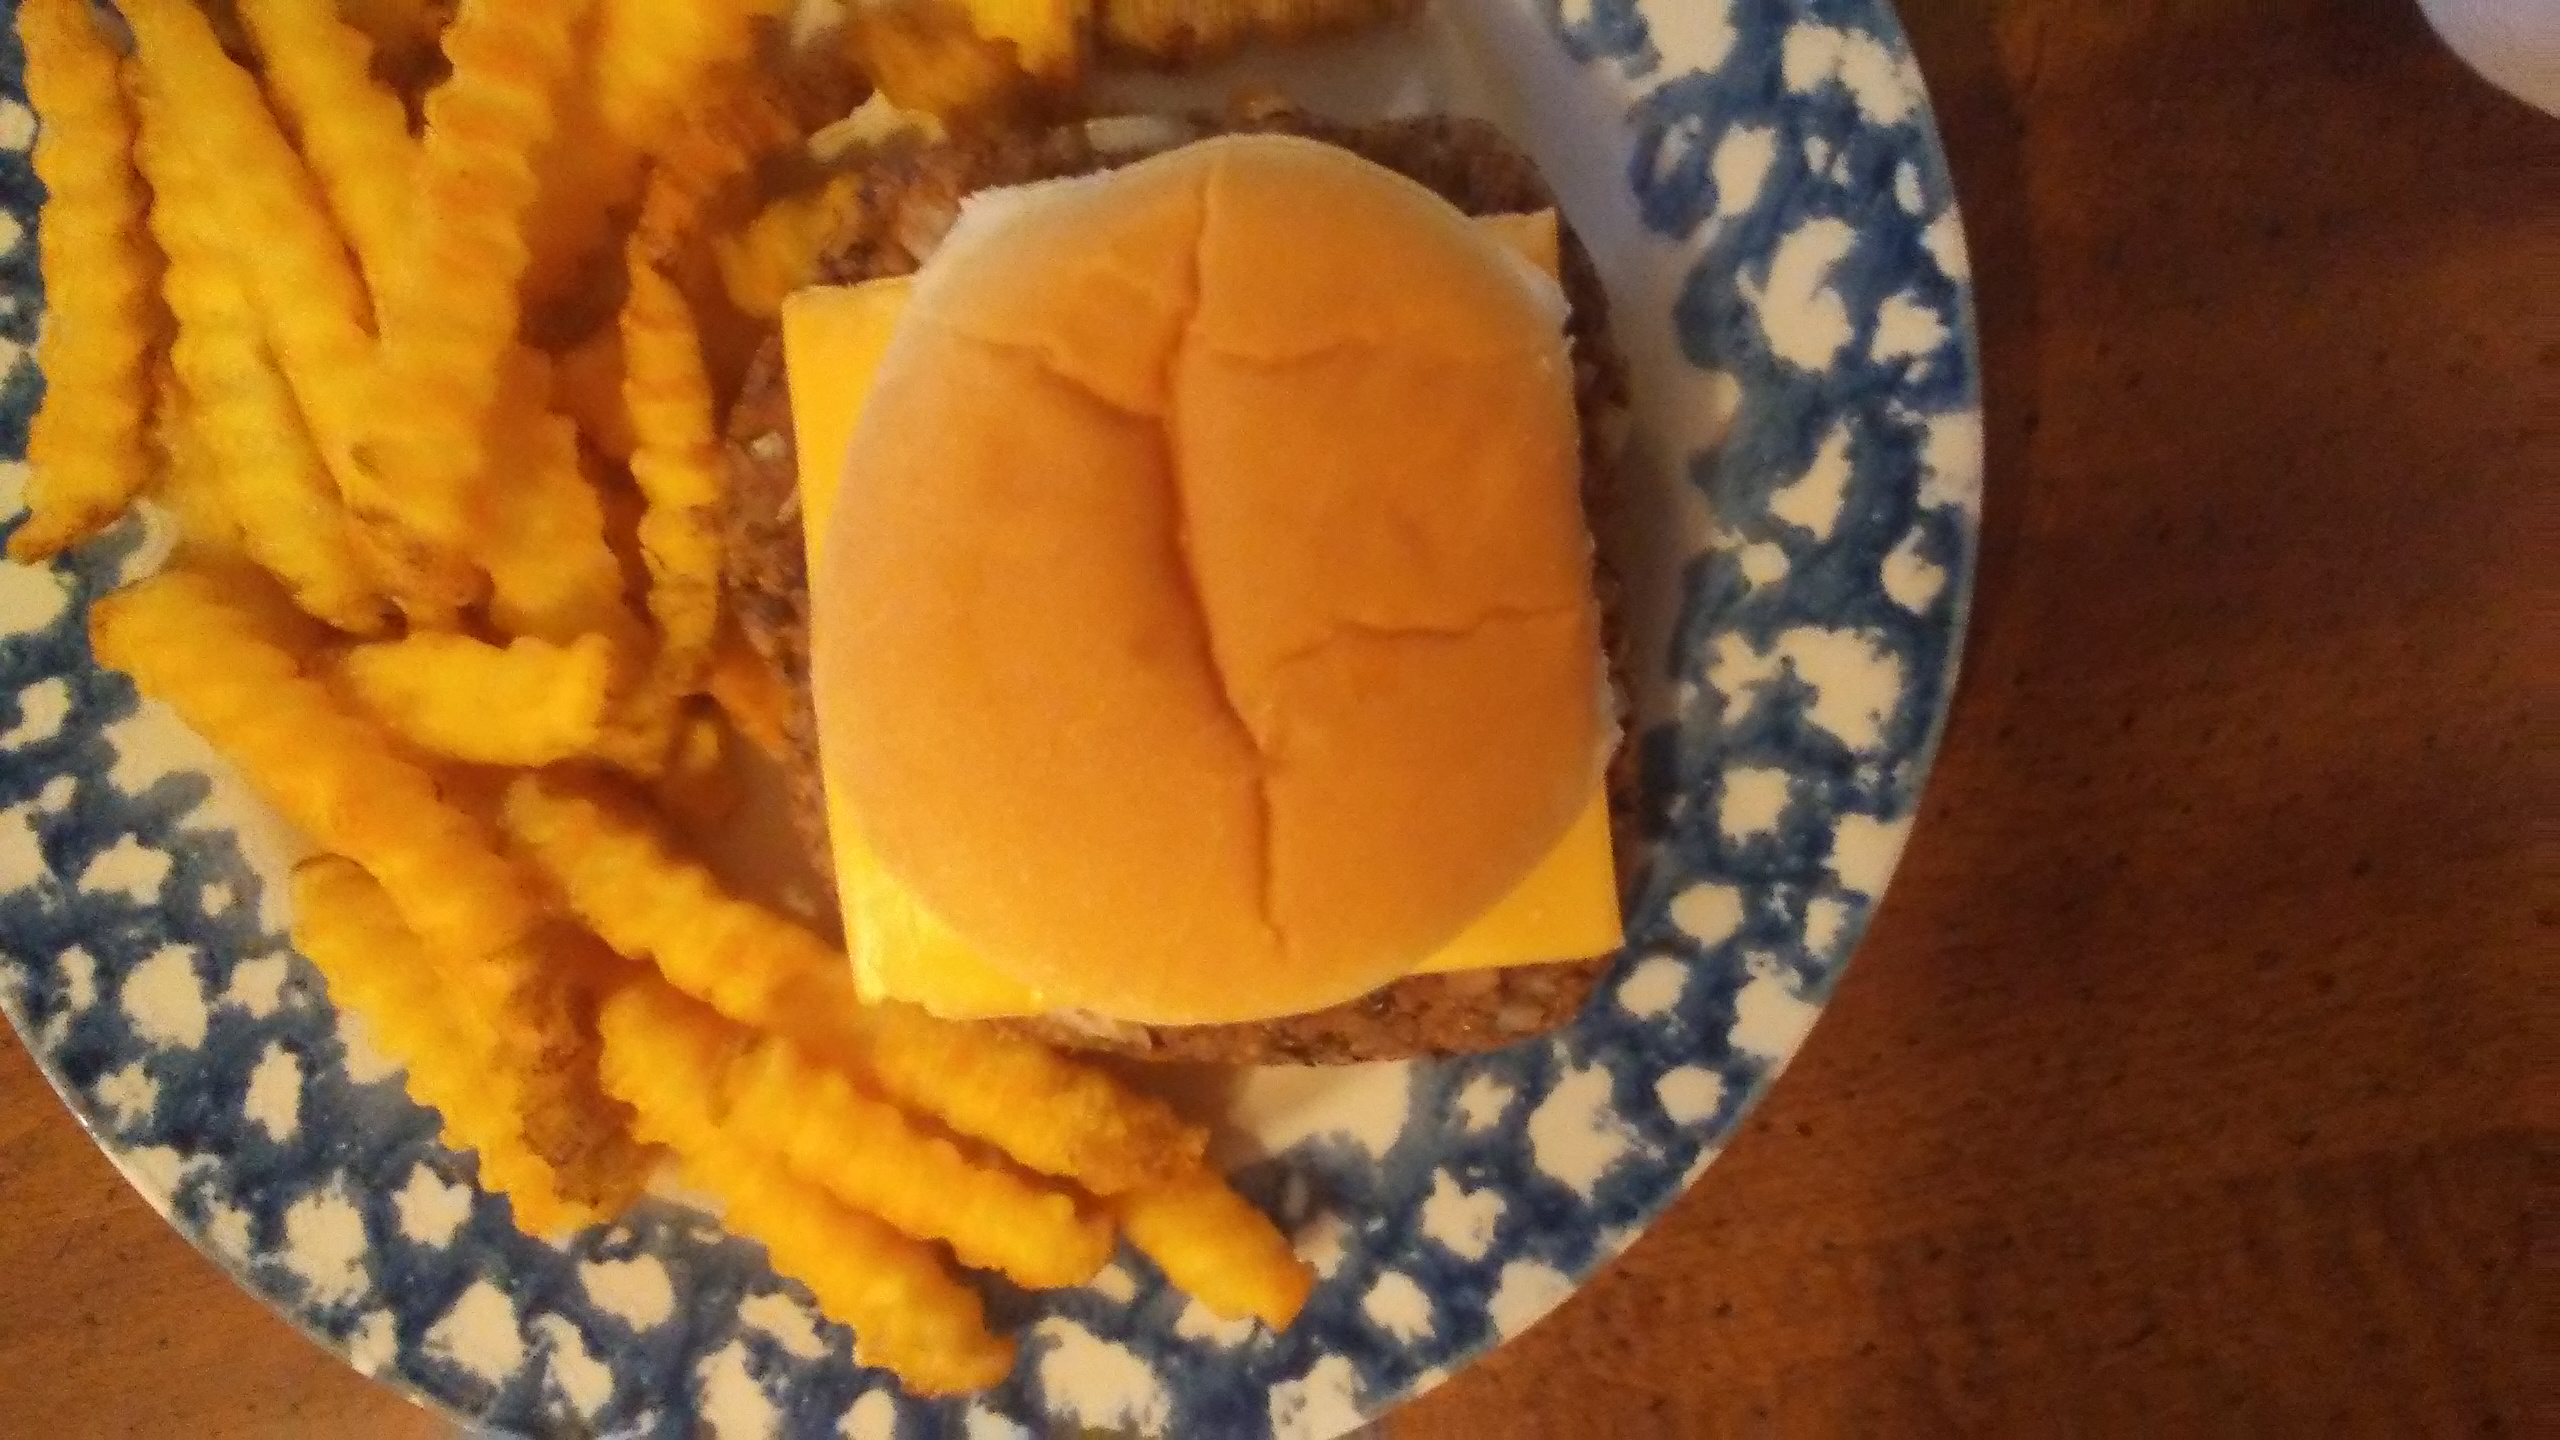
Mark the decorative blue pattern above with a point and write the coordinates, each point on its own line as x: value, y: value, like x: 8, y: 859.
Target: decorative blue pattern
x: 1781, y: 149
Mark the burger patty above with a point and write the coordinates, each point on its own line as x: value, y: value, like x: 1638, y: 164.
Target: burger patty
x: 911, y: 197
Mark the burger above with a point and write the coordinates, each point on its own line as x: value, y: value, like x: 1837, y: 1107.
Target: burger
x: 1177, y: 535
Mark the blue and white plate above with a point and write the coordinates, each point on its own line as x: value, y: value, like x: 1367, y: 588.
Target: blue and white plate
x: 1764, y: 191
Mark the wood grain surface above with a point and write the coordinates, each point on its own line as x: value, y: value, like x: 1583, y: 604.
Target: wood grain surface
x: 2182, y: 1085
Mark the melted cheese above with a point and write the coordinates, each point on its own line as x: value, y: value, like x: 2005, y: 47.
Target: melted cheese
x: 833, y: 339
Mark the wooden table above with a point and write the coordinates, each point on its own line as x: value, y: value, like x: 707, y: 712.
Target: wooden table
x: 2181, y: 1085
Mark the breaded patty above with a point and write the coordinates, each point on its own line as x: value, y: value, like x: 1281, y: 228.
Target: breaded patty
x: 911, y: 198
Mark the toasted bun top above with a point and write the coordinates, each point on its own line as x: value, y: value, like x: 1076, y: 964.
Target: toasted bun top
x: 1205, y: 625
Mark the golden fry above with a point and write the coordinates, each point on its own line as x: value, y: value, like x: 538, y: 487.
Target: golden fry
x: 752, y: 693
x: 378, y: 971
x: 651, y: 61
x: 928, y: 56
x: 552, y: 572
x: 225, y: 661
x: 1046, y: 1111
x: 1048, y: 36
x: 1190, y: 32
x: 354, y: 130
x: 1212, y: 1244
x: 704, y: 166
x: 667, y: 1057
x: 450, y: 318
x: 541, y: 995
x: 654, y: 58
x: 528, y: 704
x: 241, y: 412
x: 189, y: 483
x: 869, y: 1155
x: 908, y: 1314
x: 87, y: 452
x: 677, y: 467
x: 620, y: 873
x: 311, y: 303
x: 778, y: 251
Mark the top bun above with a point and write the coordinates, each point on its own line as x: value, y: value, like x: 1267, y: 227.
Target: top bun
x: 1205, y: 627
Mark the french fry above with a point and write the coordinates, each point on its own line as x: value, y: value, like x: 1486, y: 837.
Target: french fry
x: 620, y: 874
x: 224, y: 660
x: 705, y: 165
x: 666, y: 1057
x: 378, y: 971
x: 1213, y: 1245
x: 779, y: 250
x: 928, y: 56
x: 529, y: 703
x: 1192, y: 32
x: 353, y: 128
x: 653, y: 58
x: 87, y: 451
x: 541, y: 995
x: 1049, y: 37
x: 311, y: 302
x: 752, y: 693
x: 676, y: 464
x: 449, y: 320
x: 1044, y: 1110
x: 189, y: 485
x: 865, y: 1152
x: 552, y: 572
x: 241, y: 413
x: 650, y: 61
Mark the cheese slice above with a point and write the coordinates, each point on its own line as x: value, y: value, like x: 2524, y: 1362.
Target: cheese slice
x: 833, y: 338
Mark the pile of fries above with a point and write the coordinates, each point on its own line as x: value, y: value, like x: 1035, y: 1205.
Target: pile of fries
x: 418, y: 318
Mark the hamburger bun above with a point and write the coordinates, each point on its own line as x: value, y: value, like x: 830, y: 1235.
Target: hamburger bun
x: 1206, y: 627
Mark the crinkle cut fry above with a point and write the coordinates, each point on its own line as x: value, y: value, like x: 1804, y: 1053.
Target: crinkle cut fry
x: 1046, y: 1111
x: 449, y: 320
x: 667, y: 395
x: 700, y: 163
x: 553, y: 573
x: 88, y: 449
x: 834, y: 1134
x: 354, y: 130
x: 620, y: 874
x: 311, y: 302
x: 653, y: 58
x: 1190, y: 32
x: 524, y: 704
x: 378, y: 971
x: 668, y: 1058
x: 934, y: 58
x: 1213, y: 1245
x: 649, y: 60
x: 229, y: 667
x: 187, y: 480
x: 542, y: 995
x: 778, y: 251
x: 676, y: 464
x: 259, y: 455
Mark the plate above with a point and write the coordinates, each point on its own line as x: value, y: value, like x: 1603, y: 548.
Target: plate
x: 1762, y: 186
